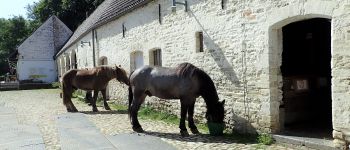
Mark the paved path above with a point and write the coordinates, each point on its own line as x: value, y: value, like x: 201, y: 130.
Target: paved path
x: 16, y: 136
x: 42, y: 107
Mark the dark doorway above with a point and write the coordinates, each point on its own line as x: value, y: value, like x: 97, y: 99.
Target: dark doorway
x: 306, y: 71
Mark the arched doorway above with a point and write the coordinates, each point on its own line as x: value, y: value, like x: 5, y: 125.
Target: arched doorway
x: 68, y: 67
x: 306, y: 75
x: 74, y: 63
x: 62, y: 66
x: 101, y: 62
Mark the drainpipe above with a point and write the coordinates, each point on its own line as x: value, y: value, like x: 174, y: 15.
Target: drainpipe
x: 93, y: 47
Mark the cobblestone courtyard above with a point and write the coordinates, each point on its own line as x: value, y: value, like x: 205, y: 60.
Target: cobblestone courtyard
x: 41, y: 106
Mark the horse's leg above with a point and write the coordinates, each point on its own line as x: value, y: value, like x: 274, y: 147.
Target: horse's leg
x: 67, y: 91
x: 94, y: 107
x: 138, y: 98
x: 88, y: 97
x: 182, y: 126
x: 105, y: 104
x: 191, y: 124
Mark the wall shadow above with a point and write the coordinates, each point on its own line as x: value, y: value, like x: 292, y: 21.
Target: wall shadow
x: 242, y: 125
x: 218, y: 54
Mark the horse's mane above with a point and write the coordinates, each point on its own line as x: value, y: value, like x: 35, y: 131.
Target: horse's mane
x: 185, y: 70
x: 104, y: 70
x: 207, y: 88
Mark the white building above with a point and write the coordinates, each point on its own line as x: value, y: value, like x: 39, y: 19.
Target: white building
x: 36, y: 53
x: 280, y: 64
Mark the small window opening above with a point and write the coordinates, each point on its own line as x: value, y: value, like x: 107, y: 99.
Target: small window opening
x: 199, y: 42
x: 156, y: 57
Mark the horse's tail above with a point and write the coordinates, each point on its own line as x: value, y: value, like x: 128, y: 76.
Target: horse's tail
x: 130, y: 100
x: 64, y: 93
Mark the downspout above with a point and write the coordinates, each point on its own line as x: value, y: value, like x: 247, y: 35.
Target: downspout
x: 93, y: 48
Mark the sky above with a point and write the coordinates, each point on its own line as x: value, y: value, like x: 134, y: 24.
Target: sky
x: 10, y: 8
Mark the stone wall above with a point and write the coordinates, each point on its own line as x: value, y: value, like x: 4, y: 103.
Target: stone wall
x: 242, y: 53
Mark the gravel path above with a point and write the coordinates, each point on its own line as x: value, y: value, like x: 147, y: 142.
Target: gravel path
x: 41, y: 106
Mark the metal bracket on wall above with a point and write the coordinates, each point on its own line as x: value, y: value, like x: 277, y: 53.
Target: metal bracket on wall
x: 159, y: 14
x: 124, y: 29
x: 173, y: 7
x: 222, y: 4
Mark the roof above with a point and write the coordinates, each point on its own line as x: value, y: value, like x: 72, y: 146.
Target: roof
x: 58, y: 28
x: 108, y: 11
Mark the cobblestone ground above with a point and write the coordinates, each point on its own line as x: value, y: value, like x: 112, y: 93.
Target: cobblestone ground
x: 41, y: 106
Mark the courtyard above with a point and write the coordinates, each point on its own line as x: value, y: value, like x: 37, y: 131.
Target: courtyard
x: 42, y: 107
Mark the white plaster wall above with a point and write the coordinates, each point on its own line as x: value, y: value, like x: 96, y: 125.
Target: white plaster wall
x: 241, y: 53
x: 38, y: 70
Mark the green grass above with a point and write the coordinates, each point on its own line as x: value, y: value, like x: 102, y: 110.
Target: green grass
x: 148, y: 113
x: 265, y: 139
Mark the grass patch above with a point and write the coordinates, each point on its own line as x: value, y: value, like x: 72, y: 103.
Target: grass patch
x: 118, y: 107
x: 152, y: 114
x: 56, y: 85
x: 149, y: 113
x: 265, y: 139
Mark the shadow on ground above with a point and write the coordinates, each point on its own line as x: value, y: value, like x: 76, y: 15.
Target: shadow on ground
x: 105, y: 112
x: 206, y: 138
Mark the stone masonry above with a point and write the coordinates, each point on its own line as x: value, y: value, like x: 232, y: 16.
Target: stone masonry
x: 242, y: 53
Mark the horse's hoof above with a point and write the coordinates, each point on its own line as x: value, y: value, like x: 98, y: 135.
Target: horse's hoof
x: 184, y: 133
x: 195, y: 131
x: 94, y: 109
x: 72, y: 110
x: 138, y: 129
x: 107, y: 108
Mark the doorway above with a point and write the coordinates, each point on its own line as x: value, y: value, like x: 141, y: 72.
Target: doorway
x: 306, y: 71
x: 103, y: 61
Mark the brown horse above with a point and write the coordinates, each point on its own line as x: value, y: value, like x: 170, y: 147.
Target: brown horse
x: 95, y: 79
x: 185, y: 82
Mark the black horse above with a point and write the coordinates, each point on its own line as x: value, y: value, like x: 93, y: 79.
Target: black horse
x: 185, y: 82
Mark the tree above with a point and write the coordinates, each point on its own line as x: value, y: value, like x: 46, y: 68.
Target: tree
x: 71, y: 12
x: 12, y: 32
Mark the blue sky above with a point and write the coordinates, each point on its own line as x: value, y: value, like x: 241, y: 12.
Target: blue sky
x: 9, y: 8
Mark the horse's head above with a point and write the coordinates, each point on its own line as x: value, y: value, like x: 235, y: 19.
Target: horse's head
x: 121, y: 75
x: 217, y: 113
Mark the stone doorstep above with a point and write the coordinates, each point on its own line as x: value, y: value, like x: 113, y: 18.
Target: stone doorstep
x: 77, y: 132
x: 21, y: 137
x: 6, y: 110
x: 8, y: 120
x: 139, y: 142
x: 314, y: 143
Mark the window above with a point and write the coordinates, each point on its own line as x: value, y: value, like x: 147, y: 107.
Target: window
x: 156, y: 57
x: 199, y: 42
x: 136, y: 60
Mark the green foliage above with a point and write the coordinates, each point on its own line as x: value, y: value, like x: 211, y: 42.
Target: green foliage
x: 63, y: 9
x: 15, y: 30
x: 12, y: 32
x: 265, y: 139
x: 149, y: 113
x: 56, y: 85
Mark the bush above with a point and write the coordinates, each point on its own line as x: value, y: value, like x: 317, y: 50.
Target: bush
x: 56, y: 85
x: 265, y: 139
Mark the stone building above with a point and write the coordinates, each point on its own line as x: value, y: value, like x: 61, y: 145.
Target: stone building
x: 36, y: 54
x: 280, y: 65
